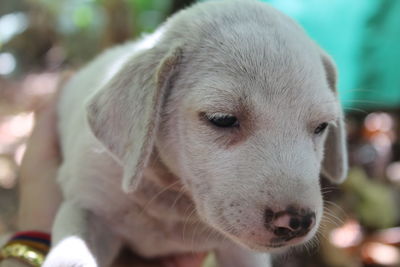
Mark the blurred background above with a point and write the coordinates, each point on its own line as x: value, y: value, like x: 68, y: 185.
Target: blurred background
x: 41, y: 39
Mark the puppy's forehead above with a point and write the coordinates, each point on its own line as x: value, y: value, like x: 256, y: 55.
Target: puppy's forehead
x: 265, y: 58
x: 255, y: 63
x: 281, y: 82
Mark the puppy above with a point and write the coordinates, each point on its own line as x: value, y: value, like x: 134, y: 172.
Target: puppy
x: 217, y: 126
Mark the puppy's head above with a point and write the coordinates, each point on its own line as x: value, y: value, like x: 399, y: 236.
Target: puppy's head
x: 243, y: 108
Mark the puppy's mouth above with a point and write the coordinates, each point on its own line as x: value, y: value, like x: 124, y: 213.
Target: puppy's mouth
x: 267, y: 240
x: 271, y: 246
x: 265, y: 247
x: 266, y: 229
x: 276, y: 245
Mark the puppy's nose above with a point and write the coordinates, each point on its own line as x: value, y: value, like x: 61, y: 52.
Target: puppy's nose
x: 289, y: 223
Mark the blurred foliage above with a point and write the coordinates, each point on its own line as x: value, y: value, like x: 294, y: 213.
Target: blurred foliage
x: 374, y: 203
x: 43, y: 34
x: 363, y: 37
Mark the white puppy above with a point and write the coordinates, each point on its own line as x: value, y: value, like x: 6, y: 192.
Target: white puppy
x: 215, y: 126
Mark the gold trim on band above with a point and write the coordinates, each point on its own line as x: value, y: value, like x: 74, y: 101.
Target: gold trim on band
x: 22, y: 252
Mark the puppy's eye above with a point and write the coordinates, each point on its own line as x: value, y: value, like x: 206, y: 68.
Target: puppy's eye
x: 223, y: 120
x: 321, y: 128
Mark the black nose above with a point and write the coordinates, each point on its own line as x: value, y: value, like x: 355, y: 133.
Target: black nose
x: 290, y: 223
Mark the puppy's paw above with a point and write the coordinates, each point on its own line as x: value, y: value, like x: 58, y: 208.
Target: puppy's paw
x: 70, y: 252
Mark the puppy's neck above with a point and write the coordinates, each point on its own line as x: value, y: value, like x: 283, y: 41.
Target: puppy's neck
x: 162, y: 195
x: 159, y: 174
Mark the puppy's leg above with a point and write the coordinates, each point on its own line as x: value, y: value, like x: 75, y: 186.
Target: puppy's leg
x: 80, y: 239
x: 235, y: 256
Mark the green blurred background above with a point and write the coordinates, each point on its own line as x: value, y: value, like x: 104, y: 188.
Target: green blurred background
x: 41, y: 39
x: 361, y: 35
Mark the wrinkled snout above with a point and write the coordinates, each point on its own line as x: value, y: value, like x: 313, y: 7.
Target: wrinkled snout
x: 280, y: 203
x: 288, y: 224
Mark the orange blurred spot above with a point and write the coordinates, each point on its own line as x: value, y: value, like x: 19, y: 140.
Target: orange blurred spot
x: 348, y: 235
x: 378, y: 253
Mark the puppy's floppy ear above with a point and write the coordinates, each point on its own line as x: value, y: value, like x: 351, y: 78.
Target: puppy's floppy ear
x: 124, y: 115
x: 335, y: 164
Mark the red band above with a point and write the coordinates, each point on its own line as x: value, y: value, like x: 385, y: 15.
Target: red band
x: 34, y: 234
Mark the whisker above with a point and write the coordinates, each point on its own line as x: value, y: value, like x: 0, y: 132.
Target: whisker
x: 323, y: 235
x: 329, y: 187
x: 193, y: 236
x: 157, y: 195
x: 331, y: 213
x: 186, y: 222
x: 360, y: 101
x: 343, y: 92
x: 331, y: 219
x: 177, y: 198
x: 324, y: 193
x: 210, y: 232
x: 341, y: 210
x: 356, y: 109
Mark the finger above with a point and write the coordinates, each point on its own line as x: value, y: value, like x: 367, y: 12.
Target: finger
x: 45, y: 132
x: 39, y: 194
x: 43, y: 148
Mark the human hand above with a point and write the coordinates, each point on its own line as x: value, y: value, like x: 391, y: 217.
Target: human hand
x: 39, y: 194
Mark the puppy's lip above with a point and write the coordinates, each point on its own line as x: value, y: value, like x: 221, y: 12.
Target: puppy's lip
x: 266, y: 247
x: 297, y: 241
x: 266, y: 243
x: 271, y: 245
x: 276, y: 245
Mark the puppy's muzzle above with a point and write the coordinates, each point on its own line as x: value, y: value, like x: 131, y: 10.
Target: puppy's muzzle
x: 290, y: 223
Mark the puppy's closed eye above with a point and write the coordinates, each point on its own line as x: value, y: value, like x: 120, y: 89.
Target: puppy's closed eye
x: 221, y: 120
x: 321, y: 128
